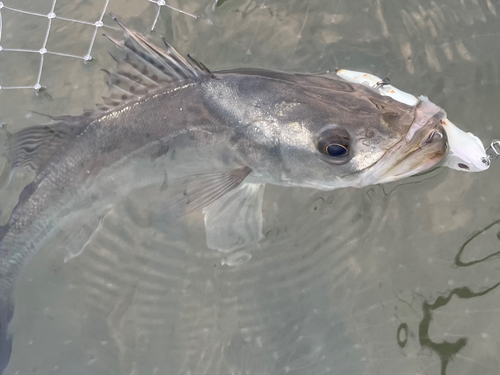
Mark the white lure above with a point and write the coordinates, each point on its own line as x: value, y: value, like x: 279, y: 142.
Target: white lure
x: 385, y: 89
x: 466, y: 152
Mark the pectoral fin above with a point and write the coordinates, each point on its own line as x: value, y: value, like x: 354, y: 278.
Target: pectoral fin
x: 235, y: 220
x: 199, y: 190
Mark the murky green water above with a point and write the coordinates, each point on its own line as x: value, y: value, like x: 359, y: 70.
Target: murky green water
x: 393, y: 279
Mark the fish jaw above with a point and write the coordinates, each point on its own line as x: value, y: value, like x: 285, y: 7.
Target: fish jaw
x: 425, y: 150
x: 423, y: 147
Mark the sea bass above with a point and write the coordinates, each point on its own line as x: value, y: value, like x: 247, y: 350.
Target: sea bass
x: 211, y: 141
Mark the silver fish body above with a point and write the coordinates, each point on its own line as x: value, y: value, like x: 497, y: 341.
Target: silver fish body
x: 200, y: 135
x: 265, y: 121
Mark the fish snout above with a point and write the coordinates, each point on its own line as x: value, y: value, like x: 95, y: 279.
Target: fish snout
x: 424, y: 150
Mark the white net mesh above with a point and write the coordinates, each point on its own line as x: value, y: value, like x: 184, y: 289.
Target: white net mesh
x: 49, y: 17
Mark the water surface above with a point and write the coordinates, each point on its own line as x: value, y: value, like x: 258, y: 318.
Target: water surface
x: 392, y: 279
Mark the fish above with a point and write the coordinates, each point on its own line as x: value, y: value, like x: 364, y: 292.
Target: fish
x: 211, y: 141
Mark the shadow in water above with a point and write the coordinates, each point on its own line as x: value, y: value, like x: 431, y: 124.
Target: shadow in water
x: 460, y: 263
x: 446, y: 350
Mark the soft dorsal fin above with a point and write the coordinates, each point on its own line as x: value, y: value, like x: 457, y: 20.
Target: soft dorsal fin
x: 144, y: 66
x: 31, y: 147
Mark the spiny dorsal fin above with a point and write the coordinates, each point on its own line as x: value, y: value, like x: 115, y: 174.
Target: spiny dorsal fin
x: 31, y: 147
x: 144, y: 66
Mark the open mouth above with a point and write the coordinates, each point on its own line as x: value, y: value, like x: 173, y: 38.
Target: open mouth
x: 430, y: 145
x: 424, y: 146
x: 425, y: 150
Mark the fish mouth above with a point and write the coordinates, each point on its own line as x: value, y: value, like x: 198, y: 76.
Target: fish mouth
x: 424, y: 146
x: 425, y: 150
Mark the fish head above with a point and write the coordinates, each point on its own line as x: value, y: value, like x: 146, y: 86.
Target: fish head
x: 360, y: 142
x: 387, y: 147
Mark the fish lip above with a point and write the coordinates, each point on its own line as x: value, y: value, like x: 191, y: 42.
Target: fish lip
x: 407, y: 157
x: 416, y: 158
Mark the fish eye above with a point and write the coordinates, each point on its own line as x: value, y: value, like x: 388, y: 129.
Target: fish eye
x: 335, y: 150
x: 333, y: 142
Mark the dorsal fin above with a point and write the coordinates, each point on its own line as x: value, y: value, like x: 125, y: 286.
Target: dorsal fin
x: 144, y: 66
x: 31, y: 147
